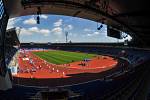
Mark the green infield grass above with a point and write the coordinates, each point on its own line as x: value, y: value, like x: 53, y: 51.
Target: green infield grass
x: 63, y: 57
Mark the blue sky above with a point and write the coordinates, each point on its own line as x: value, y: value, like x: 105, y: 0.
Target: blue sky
x: 52, y: 28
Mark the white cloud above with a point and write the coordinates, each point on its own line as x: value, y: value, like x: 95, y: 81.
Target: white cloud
x: 87, y: 30
x: 30, y: 21
x: 45, y: 32
x: 25, y: 31
x: 12, y: 22
x: 58, y: 23
x: 93, y: 34
x: 35, y: 30
x: 89, y: 34
x: 96, y: 33
x: 104, y: 30
x: 44, y: 16
x: 68, y: 27
x: 57, y: 30
x: 56, y: 40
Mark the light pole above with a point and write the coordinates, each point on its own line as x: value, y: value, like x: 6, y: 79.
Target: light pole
x: 66, y: 34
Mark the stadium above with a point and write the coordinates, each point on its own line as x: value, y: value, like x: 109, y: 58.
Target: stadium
x: 50, y: 50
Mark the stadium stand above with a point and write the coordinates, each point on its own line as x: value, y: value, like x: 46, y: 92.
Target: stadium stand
x: 115, y: 81
x: 102, y: 88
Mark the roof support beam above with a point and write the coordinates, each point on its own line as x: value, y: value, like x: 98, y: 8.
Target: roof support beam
x: 134, y: 14
x: 77, y: 13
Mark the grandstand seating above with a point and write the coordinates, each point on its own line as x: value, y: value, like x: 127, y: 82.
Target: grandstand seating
x: 98, y: 89
x: 10, y: 52
x: 101, y: 88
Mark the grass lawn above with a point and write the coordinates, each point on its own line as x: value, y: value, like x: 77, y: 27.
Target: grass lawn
x: 63, y: 57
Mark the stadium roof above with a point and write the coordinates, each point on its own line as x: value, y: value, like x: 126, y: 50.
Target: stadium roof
x: 131, y: 16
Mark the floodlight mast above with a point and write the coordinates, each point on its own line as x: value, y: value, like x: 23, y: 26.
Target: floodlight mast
x: 18, y: 33
x: 66, y: 34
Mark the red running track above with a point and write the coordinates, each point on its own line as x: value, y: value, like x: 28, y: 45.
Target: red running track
x: 46, y: 70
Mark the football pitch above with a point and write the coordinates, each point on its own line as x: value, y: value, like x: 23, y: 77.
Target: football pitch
x: 63, y: 57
